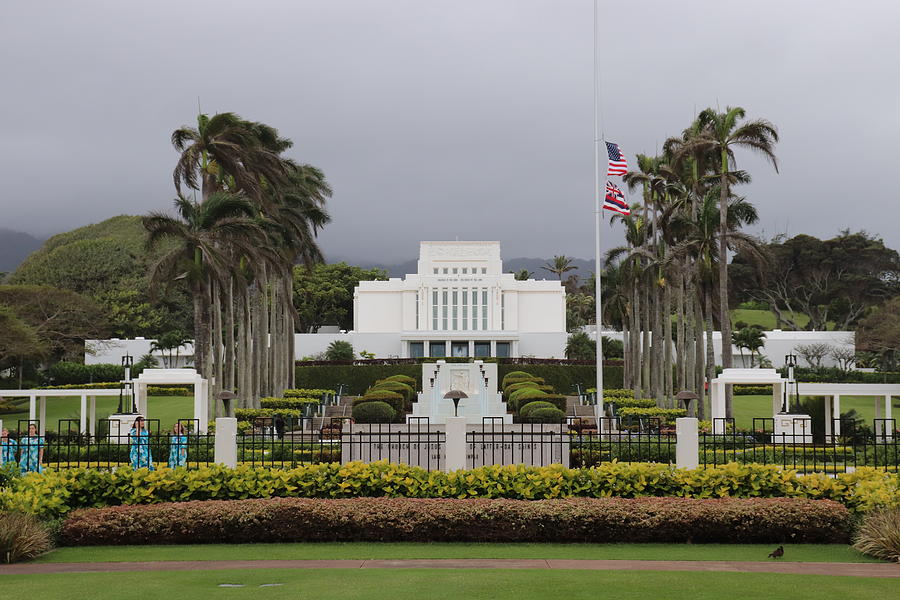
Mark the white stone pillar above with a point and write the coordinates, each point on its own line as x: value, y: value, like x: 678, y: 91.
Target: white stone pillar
x: 82, y: 415
x: 455, y: 444
x: 92, y: 417
x: 32, y: 407
x: 687, y: 443
x: 836, y: 419
x: 829, y: 418
x: 717, y: 406
x: 42, y: 415
x: 226, y: 441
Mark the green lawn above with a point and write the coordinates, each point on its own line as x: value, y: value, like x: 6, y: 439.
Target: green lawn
x: 738, y: 552
x: 763, y: 318
x: 438, y: 584
x: 168, y: 409
x: 748, y: 407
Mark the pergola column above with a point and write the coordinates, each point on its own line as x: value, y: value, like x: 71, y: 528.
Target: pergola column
x: 837, y: 414
x: 92, y: 417
x: 83, y: 415
x: 42, y: 429
x: 829, y: 424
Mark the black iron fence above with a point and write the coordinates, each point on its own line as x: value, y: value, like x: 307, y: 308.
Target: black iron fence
x: 845, y: 446
x: 305, y: 440
x: 113, y: 444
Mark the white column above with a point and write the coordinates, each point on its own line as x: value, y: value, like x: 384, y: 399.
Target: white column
x: 43, y: 415
x: 226, y: 441
x: 888, y: 429
x: 455, y: 444
x: 493, y: 347
x: 837, y: 414
x: 92, y: 417
x: 32, y: 408
x: 829, y: 400
x: 82, y: 415
x: 687, y: 443
x: 717, y: 406
x: 201, y: 407
x: 777, y: 397
x: 471, y: 348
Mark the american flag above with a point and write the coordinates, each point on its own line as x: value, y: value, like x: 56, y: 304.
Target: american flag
x: 617, y: 164
x: 615, y: 200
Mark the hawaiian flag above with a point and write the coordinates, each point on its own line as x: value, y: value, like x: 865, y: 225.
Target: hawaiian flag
x: 617, y: 163
x: 615, y: 200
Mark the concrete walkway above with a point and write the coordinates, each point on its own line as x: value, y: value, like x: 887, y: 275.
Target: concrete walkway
x: 792, y: 568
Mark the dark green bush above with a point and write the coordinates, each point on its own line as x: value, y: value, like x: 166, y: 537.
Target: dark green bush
x: 68, y: 372
x: 410, y: 381
x: 392, y: 399
x: 373, y: 412
x: 522, y: 396
x: 532, y: 406
x: 547, y: 415
x: 403, y: 389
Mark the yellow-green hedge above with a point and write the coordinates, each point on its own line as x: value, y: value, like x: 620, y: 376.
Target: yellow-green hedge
x: 54, y: 493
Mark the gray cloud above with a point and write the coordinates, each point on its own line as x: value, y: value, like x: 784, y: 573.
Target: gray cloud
x: 440, y: 119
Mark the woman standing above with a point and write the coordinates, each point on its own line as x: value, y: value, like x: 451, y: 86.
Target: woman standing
x: 139, y: 454
x: 178, y: 447
x: 8, y: 448
x: 32, y: 451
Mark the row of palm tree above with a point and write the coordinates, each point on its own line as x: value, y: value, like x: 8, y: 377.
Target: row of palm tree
x: 235, y: 248
x: 672, y: 271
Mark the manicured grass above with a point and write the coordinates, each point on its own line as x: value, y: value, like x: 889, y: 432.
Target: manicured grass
x: 748, y: 407
x: 763, y: 318
x: 736, y: 552
x: 168, y: 409
x: 437, y: 584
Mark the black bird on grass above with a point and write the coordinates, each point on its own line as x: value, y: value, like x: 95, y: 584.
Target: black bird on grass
x: 777, y: 552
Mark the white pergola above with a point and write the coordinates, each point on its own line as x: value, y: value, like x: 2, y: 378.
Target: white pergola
x: 150, y: 377
x: 37, y: 405
x: 745, y: 377
x: 883, y: 394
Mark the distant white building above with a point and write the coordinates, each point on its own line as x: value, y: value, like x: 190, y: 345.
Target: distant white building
x: 459, y: 303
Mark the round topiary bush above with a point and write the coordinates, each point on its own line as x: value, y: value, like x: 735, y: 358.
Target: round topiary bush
x: 410, y: 381
x: 547, y: 415
x: 395, y: 386
x: 532, y: 406
x: 518, y: 386
x: 373, y: 412
x: 514, y: 375
x: 518, y: 398
x: 393, y: 399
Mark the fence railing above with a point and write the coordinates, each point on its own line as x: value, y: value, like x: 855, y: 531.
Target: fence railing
x: 114, y: 444
x: 846, y: 448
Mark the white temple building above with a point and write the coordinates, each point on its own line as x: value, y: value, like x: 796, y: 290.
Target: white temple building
x: 460, y: 303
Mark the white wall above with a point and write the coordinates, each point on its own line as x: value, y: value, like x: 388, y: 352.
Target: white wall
x: 111, y: 352
x: 778, y: 345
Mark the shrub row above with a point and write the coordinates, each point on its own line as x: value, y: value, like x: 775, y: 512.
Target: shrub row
x: 623, y: 402
x: 293, y: 402
x: 668, y: 415
x: 152, y: 390
x: 249, y: 414
x: 562, y: 377
x: 752, y: 390
x: 589, y: 520
x: 55, y: 493
x: 306, y: 393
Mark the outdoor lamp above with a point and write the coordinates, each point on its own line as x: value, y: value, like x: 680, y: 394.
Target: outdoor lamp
x: 790, y: 360
x: 456, y: 396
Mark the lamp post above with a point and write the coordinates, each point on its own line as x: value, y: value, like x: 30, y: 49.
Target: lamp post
x: 127, y: 362
x: 456, y: 396
x: 790, y: 360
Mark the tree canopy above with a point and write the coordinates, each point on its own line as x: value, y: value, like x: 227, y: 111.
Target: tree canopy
x: 323, y: 295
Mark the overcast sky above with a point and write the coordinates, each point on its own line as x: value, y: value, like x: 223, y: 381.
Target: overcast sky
x: 447, y: 119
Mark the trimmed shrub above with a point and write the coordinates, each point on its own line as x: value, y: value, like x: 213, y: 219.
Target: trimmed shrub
x: 752, y: 390
x: 251, y: 414
x: 410, y: 381
x: 585, y: 520
x: 667, y: 415
x: 519, y: 396
x: 632, y: 402
x: 373, y: 412
x: 306, y: 393
x: 406, y: 391
x: 69, y: 372
x: 514, y: 375
x: 532, y: 406
x: 879, y: 535
x: 515, y: 380
x: 547, y: 415
x: 392, y: 399
x: 22, y: 537
x: 57, y: 492
x: 522, y: 384
x: 292, y: 403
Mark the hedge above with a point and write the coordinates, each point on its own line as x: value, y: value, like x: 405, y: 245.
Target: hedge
x: 532, y: 406
x: 250, y: 414
x: 63, y: 372
x: 306, y: 393
x: 753, y: 390
x: 360, y: 377
x: 152, y: 390
x: 403, y: 389
x: 57, y: 492
x: 547, y: 415
x: 514, y: 375
x: 294, y: 403
x: 373, y: 412
x: 410, y: 381
x: 392, y: 399
x: 665, y: 414
x: 586, y: 520
x: 622, y: 402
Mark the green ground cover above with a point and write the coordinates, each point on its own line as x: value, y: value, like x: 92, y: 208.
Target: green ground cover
x: 324, y: 550
x: 437, y: 584
x: 748, y: 407
x: 764, y: 318
x: 168, y: 409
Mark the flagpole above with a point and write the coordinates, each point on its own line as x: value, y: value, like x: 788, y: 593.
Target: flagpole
x: 598, y: 137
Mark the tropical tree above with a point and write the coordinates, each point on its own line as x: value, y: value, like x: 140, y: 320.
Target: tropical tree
x: 720, y: 134
x: 560, y: 265
x: 522, y: 275
x: 339, y: 350
x: 580, y: 346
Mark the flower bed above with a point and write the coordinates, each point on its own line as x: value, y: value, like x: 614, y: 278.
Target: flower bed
x: 596, y: 520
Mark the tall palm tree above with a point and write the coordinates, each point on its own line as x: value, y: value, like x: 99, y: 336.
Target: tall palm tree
x: 720, y: 134
x: 206, y: 235
x: 560, y: 265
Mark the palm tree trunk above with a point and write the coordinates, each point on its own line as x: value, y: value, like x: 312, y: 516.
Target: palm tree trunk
x: 667, y: 349
x: 229, y: 382
x: 699, y: 341
x: 710, y: 352
x: 680, y: 355
x: 724, y: 314
x: 218, y: 342
x: 636, y: 339
x: 645, y: 336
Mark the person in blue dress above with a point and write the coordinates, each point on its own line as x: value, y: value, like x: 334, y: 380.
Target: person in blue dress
x: 31, y: 448
x: 8, y: 448
x: 178, y: 447
x: 139, y: 438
